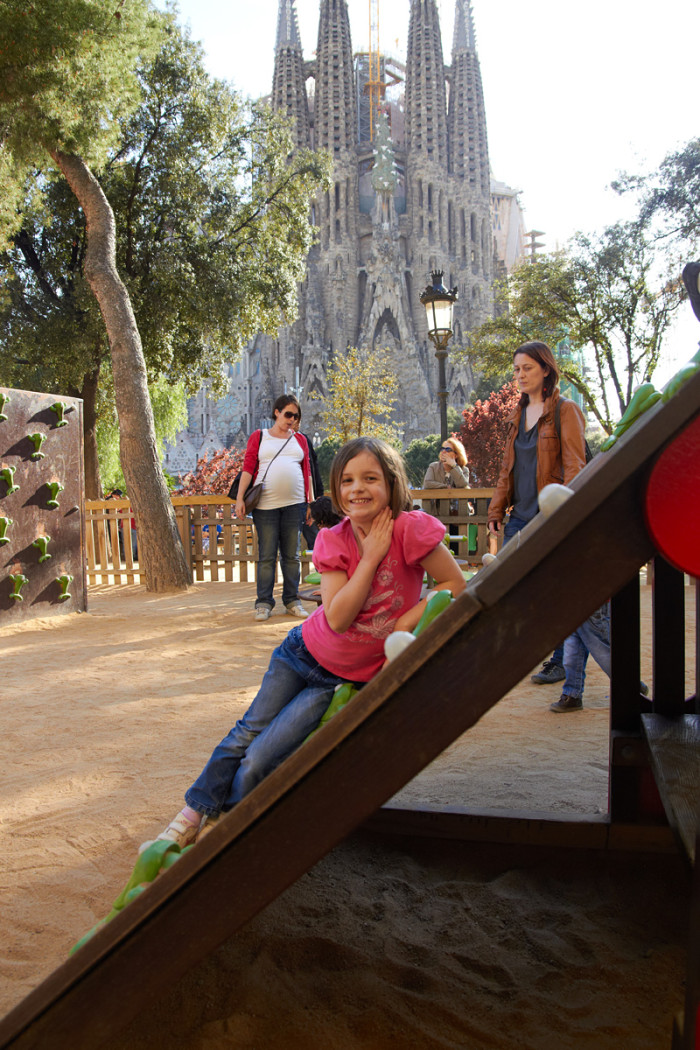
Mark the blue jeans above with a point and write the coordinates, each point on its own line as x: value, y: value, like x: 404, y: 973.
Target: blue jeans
x: 293, y: 696
x: 278, y: 529
x: 511, y: 529
x: 593, y: 636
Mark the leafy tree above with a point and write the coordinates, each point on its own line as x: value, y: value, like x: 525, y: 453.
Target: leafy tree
x: 169, y: 417
x: 361, y: 391
x: 419, y: 455
x: 483, y: 434
x: 605, y: 297
x: 211, y: 237
x: 670, y: 196
x: 325, y: 454
x: 68, y: 79
x: 213, y: 475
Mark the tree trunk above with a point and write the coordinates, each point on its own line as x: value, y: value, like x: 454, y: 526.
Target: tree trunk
x: 88, y: 393
x: 160, y: 549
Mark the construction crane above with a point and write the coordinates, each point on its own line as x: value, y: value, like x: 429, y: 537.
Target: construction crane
x: 375, y: 85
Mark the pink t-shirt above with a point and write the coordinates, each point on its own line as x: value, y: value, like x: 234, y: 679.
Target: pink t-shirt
x: 358, y: 653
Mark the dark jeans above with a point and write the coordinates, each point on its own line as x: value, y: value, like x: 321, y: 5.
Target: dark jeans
x: 278, y: 530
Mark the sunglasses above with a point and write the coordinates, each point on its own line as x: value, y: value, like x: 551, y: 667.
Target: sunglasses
x: 290, y: 415
x: 446, y: 448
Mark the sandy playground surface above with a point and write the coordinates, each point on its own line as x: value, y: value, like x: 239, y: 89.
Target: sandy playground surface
x: 107, y: 716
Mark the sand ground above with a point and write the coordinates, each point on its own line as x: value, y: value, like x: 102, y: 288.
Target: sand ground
x: 107, y: 716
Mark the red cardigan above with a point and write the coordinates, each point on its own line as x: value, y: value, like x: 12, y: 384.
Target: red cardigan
x: 250, y: 461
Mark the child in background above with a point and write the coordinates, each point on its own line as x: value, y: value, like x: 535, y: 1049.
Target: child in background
x: 372, y: 565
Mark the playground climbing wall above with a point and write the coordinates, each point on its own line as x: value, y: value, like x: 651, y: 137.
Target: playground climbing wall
x: 42, y: 568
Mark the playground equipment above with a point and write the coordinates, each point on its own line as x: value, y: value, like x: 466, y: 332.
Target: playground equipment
x: 41, y: 450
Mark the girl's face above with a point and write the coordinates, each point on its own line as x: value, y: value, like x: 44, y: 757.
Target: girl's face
x: 363, y: 489
x: 530, y: 375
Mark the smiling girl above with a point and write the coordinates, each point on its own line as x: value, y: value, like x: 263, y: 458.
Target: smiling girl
x: 372, y: 567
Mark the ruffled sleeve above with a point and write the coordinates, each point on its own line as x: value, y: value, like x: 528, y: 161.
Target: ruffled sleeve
x: 331, y: 549
x: 419, y: 534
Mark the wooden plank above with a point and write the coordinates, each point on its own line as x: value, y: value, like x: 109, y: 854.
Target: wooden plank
x: 668, y: 628
x: 674, y: 745
x: 519, y: 828
x: 477, y: 650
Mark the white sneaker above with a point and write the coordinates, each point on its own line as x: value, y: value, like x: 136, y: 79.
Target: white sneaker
x: 296, y: 609
x: 262, y: 612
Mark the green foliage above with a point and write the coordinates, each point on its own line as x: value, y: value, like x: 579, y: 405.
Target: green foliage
x: 325, y: 453
x: 361, y: 392
x: 669, y: 196
x: 419, y: 455
x: 604, y: 295
x: 169, y: 416
x: 68, y: 78
x: 212, y: 234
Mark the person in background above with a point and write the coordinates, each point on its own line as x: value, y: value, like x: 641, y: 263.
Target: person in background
x: 449, y: 471
x: 534, y: 457
x: 279, y: 514
x: 309, y: 530
x: 591, y: 638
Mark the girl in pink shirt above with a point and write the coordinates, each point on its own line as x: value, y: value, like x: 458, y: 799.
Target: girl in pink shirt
x: 372, y: 567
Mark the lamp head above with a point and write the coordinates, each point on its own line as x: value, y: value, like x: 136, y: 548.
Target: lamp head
x: 439, y: 304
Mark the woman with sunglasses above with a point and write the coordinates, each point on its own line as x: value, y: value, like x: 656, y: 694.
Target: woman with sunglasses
x: 450, y: 470
x: 281, y: 457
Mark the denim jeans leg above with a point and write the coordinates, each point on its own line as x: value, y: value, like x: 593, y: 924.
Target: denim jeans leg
x: 595, y: 635
x: 283, y: 680
x: 282, y: 736
x: 575, y: 659
x: 267, y: 526
x: 512, y: 527
x: 291, y: 519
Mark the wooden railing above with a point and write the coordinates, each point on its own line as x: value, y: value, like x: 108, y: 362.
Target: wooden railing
x: 112, y: 544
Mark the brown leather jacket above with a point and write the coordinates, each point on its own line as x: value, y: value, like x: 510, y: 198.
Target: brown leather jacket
x: 554, y: 464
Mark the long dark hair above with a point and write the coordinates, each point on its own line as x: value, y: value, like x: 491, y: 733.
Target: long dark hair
x: 544, y: 357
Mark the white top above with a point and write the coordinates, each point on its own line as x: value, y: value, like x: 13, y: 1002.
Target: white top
x: 284, y: 482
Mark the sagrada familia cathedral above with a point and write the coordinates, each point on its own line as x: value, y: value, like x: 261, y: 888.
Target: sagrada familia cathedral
x: 411, y: 193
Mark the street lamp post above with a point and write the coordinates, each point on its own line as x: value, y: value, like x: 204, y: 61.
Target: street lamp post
x: 439, y: 305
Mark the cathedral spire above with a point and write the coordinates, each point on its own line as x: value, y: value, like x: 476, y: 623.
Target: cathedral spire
x: 334, y: 108
x: 287, y: 26
x: 289, y: 84
x: 426, y: 120
x: 469, y: 155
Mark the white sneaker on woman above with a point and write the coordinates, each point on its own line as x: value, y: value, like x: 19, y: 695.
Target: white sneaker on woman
x: 262, y: 612
x: 296, y: 609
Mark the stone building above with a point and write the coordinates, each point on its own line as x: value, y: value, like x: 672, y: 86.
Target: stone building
x: 410, y: 194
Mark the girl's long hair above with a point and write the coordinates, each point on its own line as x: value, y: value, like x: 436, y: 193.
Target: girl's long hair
x: 541, y: 353
x: 392, y: 468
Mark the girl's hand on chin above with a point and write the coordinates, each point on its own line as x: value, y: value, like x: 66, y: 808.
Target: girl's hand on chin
x: 377, y: 539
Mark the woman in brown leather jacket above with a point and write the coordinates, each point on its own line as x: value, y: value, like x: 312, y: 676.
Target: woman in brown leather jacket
x: 534, y: 456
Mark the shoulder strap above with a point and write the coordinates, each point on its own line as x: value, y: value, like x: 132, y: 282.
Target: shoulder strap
x: 275, y: 455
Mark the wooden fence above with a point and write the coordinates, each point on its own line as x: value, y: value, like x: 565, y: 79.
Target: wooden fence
x: 112, y: 544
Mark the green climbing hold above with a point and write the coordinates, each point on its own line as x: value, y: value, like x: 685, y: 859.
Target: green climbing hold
x: 60, y: 407
x: 37, y: 440
x: 41, y: 543
x: 18, y: 582
x: 8, y: 476
x: 4, y: 526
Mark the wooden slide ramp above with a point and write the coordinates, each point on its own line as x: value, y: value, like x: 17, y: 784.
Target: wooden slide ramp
x: 511, y: 616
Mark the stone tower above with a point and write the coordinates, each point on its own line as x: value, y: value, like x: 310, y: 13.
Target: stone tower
x: 415, y: 199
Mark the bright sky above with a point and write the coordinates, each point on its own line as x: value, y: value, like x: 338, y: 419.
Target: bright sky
x: 574, y: 92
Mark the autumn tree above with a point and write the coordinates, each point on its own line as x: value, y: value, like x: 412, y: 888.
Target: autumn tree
x: 483, y: 434
x: 606, y: 296
x: 213, y: 474
x: 361, y: 392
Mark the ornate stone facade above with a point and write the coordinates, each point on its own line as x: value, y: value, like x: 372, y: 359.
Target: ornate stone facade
x: 415, y: 199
